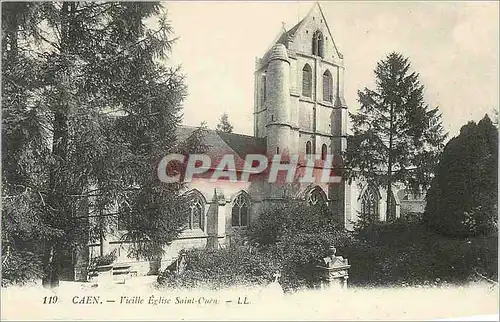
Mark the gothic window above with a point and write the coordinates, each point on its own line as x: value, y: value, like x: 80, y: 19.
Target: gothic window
x: 307, y: 81
x: 240, y: 211
x: 317, y: 45
x: 278, y: 150
x: 308, y: 147
x: 327, y: 86
x: 263, y: 90
x: 316, y: 197
x: 392, y: 208
x: 196, y: 211
x: 324, y: 151
x: 369, y: 203
x: 123, y: 216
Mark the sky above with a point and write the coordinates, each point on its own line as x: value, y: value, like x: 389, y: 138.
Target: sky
x: 452, y: 45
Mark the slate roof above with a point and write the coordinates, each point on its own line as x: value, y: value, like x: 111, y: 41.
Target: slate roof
x: 221, y: 143
x: 289, y: 34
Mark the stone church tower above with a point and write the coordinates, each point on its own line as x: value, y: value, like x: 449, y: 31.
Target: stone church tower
x: 299, y: 97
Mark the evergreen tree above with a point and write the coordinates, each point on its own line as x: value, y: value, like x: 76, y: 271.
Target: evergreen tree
x: 224, y: 124
x: 89, y: 109
x: 396, y: 136
x: 462, y: 200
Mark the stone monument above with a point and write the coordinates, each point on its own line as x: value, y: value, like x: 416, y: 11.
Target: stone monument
x: 335, y: 270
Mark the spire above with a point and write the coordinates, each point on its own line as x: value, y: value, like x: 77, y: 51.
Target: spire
x: 215, y: 198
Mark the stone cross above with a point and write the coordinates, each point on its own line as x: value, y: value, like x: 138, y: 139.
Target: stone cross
x: 276, y: 276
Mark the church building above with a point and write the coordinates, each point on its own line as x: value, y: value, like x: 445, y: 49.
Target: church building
x: 299, y: 109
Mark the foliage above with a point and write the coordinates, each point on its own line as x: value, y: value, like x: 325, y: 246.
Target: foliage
x: 221, y: 268
x: 224, y: 124
x: 88, y: 110
x: 365, y: 221
x: 297, y: 236
x: 20, y: 267
x: 462, y: 200
x: 396, y: 136
x: 103, y: 260
x: 408, y: 253
x: 285, y: 220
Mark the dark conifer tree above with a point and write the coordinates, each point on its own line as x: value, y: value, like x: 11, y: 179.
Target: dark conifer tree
x: 89, y: 108
x: 224, y: 124
x: 396, y: 136
x: 462, y: 200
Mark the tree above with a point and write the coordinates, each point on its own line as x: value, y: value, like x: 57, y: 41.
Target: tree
x: 396, y: 137
x: 462, y: 200
x: 89, y: 108
x: 224, y: 124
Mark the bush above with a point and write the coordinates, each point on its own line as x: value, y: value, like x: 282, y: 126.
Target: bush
x: 20, y: 268
x: 298, y: 256
x: 406, y: 252
x: 292, y: 239
x: 222, y: 268
x: 103, y: 260
x: 297, y: 237
x: 282, y: 221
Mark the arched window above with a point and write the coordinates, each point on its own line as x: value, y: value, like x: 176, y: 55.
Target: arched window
x: 392, y: 207
x: 369, y: 203
x: 123, y: 216
x: 196, y: 210
x: 308, y: 147
x: 307, y: 81
x: 277, y: 150
x: 324, y: 151
x: 263, y: 90
x: 240, y: 211
x: 327, y: 86
x: 317, y: 45
x: 316, y: 196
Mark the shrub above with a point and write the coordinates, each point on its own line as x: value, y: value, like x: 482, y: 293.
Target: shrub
x: 222, y: 268
x: 297, y: 237
x: 102, y: 260
x: 20, y: 268
x: 285, y: 220
x: 408, y: 252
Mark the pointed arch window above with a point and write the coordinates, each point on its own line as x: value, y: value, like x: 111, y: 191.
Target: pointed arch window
x: 196, y: 211
x: 391, y: 215
x: 308, y: 148
x: 241, y: 211
x: 370, y: 203
x: 123, y: 216
x: 324, y: 151
x: 317, y: 45
x: 327, y: 86
x: 307, y: 81
x: 316, y: 197
x: 263, y: 90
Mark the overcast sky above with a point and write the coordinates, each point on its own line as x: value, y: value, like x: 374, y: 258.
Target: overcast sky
x: 452, y: 45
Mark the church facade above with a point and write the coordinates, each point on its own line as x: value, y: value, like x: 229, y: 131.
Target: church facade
x: 299, y: 109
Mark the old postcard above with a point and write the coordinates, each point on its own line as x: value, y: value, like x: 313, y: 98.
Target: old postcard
x: 250, y: 160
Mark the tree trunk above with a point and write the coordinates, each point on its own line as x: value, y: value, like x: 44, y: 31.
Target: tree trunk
x: 57, y: 184
x: 389, y: 166
x: 51, y: 268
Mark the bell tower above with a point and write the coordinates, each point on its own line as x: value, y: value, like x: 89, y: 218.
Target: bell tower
x: 299, y: 97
